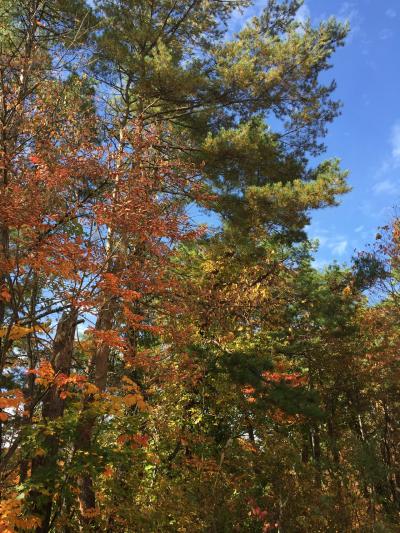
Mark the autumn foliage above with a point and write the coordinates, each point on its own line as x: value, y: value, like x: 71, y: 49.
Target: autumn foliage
x: 159, y: 374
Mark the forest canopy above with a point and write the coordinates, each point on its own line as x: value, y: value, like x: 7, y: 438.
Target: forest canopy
x: 159, y: 374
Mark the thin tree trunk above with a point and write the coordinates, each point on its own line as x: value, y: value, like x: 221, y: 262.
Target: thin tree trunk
x: 44, y: 468
x: 98, y: 373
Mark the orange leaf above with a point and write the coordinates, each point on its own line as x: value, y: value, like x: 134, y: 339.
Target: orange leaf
x: 5, y: 294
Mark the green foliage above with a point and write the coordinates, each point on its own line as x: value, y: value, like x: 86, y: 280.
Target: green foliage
x: 222, y: 382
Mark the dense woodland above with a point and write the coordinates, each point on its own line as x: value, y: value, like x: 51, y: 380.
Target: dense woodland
x: 159, y: 375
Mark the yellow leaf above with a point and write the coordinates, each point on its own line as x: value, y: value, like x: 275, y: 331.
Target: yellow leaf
x: 40, y: 452
x: 347, y: 291
x: 17, y: 332
x: 142, y: 405
x: 131, y: 399
x: 125, y: 379
x: 91, y: 388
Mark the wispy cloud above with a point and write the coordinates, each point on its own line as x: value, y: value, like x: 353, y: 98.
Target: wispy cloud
x: 331, y: 243
x: 391, y: 13
x: 340, y: 247
x: 303, y: 14
x: 348, y: 12
x: 387, y: 181
x: 387, y: 186
x: 240, y: 17
x: 395, y: 142
x: 363, y: 235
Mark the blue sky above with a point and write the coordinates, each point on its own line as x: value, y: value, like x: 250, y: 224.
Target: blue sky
x: 366, y: 137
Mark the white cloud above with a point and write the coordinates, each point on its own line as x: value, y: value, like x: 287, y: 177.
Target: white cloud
x: 329, y: 240
x: 348, y: 12
x: 364, y: 235
x: 391, y: 13
x: 303, y: 14
x: 391, y: 162
x: 339, y: 247
x: 386, y: 186
x: 240, y: 17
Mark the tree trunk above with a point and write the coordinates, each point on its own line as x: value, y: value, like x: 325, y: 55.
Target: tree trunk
x: 98, y: 375
x: 44, y: 468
